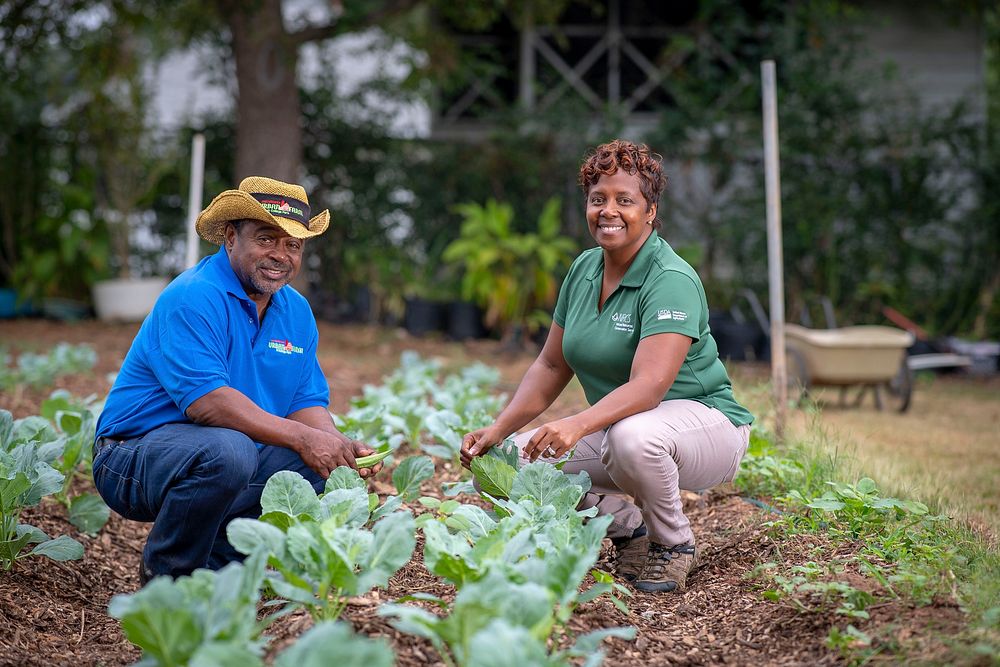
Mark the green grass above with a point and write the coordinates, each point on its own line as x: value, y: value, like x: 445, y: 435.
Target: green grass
x: 901, y: 548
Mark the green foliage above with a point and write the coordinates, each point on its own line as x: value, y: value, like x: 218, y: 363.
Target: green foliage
x: 197, y: 618
x: 417, y: 406
x: 28, y: 447
x: 321, y: 547
x: 333, y: 643
x: 511, y: 275
x: 898, y: 548
x: 41, y: 370
x: 519, y: 575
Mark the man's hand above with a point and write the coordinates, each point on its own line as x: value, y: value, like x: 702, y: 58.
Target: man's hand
x: 361, y: 449
x: 478, y: 443
x: 325, y: 452
x: 554, y: 439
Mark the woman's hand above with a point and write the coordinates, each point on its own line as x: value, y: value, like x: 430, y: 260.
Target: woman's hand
x: 478, y: 443
x: 554, y: 439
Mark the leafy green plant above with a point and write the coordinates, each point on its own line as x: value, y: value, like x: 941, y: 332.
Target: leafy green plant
x: 75, y: 421
x: 26, y: 476
x: 41, y: 370
x: 198, y: 618
x: 320, y: 547
x: 512, y: 276
x: 415, y: 405
x: 518, y: 575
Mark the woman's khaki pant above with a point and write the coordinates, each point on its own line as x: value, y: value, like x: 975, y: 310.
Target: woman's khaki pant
x: 651, y: 456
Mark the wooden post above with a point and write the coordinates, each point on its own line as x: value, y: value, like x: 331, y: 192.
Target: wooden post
x: 526, y: 75
x: 775, y: 273
x: 195, y: 197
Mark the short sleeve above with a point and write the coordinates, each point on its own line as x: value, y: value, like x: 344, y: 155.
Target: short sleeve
x: 671, y: 303
x: 193, y: 351
x: 313, y: 389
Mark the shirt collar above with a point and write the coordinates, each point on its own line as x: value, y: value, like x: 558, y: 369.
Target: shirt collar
x: 232, y: 283
x: 637, y: 271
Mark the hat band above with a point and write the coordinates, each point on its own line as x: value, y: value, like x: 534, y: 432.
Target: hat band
x: 284, y: 207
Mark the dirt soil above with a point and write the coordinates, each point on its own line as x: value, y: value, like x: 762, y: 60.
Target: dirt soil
x: 55, y: 613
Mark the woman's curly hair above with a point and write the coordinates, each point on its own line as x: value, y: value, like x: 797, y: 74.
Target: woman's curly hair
x: 636, y: 159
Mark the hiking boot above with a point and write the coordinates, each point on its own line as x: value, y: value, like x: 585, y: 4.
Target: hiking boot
x: 630, y: 556
x: 666, y: 568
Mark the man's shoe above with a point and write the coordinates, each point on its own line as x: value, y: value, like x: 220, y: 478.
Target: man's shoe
x: 666, y: 568
x: 145, y: 574
x: 630, y: 556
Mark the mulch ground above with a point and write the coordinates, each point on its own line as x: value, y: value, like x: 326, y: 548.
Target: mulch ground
x: 55, y: 613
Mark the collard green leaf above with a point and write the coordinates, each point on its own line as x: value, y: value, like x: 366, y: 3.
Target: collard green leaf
x: 88, y: 512
x: 346, y: 507
x: 158, y: 620
x: 391, y: 549
x: 33, y: 429
x: 545, y: 485
x: 330, y: 643
x: 289, y: 492
x: 391, y: 504
x: 445, y: 555
x: 450, y: 489
x: 589, y: 645
x: 479, y: 522
x: 519, y: 647
x: 45, y: 481
x: 12, y: 491
x: 343, y: 477
x: 225, y: 654
x: 9, y: 549
x: 6, y: 429
x: 63, y: 547
x: 248, y: 535
x: 35, y: 535
x: 493, y: 476
x: 410, y: 474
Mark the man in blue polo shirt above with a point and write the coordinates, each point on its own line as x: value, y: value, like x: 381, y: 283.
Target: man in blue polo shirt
x: 221, y: 387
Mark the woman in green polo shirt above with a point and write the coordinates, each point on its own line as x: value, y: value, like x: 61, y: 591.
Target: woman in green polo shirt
x: 631, y: 323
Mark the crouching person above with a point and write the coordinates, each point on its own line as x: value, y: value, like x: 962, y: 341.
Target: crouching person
x: 631, y: 322
x: 221, y: 387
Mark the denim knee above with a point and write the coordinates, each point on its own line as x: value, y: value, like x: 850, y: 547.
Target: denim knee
x: 231, y: 457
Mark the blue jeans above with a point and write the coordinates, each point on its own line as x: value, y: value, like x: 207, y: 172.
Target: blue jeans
x: 190, y: 481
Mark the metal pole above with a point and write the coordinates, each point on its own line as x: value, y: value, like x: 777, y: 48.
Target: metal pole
x: 776, y: 283
x: 527, y: 62
x: 195, y: 197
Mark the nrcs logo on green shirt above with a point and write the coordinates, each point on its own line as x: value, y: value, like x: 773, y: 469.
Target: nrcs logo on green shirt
x: 623, y: 322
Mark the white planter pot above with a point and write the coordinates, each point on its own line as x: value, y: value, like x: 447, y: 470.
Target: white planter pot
x: 127, y: 300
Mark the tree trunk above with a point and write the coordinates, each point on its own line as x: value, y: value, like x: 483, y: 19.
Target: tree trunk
x: 268, y: 113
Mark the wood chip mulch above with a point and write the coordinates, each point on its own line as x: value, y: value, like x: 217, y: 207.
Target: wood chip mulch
x: 56, y: 613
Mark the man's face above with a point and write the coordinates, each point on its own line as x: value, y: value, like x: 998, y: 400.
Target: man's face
x: 263, y: 256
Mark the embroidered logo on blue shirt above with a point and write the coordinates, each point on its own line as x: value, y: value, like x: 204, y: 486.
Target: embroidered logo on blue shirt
x: 284, y: 346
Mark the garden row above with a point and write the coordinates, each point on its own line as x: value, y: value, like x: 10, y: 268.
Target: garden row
x: 517, y: 567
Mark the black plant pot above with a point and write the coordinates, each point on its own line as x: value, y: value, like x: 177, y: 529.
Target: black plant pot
x: 465, y: 321
x: 737, y: 341
x: 423, y: 316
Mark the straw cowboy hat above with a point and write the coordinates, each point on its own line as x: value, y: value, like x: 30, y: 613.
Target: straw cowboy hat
x: 284, y: 205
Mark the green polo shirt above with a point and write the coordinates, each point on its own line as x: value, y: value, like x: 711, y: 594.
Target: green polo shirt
x: 660, y: 293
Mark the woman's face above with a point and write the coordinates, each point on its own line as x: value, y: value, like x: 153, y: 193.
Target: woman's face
x: 617, y: 214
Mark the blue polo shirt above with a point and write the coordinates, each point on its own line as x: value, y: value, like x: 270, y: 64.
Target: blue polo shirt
x: 202, y: 334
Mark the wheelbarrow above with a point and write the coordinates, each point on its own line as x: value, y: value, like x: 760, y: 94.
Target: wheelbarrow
x: 870, y: 358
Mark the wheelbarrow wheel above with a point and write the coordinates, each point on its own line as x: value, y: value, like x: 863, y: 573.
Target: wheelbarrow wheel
x: 797, y: 379
x: 899, y: 390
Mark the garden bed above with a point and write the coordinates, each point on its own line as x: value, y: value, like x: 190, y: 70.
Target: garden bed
x: 56, y: 613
